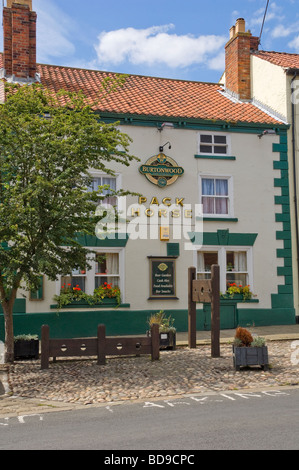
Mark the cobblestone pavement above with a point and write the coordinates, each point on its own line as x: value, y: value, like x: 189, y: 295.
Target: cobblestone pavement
x: 72, y: 383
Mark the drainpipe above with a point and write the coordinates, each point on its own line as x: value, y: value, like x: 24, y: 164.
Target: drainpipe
x: 295, y: 166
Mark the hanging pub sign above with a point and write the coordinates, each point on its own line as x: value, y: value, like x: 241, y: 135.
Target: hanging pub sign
x: 162, y: 278
x: 161, y: 170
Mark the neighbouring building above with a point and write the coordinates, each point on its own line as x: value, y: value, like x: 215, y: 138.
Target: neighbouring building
x: 270, y: 80
x: 214, y: 181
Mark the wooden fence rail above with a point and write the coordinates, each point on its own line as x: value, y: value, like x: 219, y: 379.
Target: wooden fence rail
x: 101, y: 346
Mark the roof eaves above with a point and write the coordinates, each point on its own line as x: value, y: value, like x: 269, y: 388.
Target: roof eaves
x: 181, y: 122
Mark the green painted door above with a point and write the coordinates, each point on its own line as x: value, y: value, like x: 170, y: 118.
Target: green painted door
x: 228, y: 316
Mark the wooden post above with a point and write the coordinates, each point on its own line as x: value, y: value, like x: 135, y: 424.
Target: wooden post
x: 191, y: 310
x: 101, y: 338
x: 45, y: 347
x: 155, y: 337
x: 215, y: 312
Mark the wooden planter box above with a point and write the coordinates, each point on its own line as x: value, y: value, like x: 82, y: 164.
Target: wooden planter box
x: 167, y: 340
x: 24, y: 349
x: 250, y: 356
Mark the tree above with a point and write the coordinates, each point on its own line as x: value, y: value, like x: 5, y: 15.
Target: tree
x: 49, y: 143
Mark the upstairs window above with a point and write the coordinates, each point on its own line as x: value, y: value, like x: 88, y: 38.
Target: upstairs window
x: 216, y: 196
x: 98, y: 181
x: 212, y: 144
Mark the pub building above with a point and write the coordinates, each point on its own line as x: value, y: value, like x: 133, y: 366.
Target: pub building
x: 210, y: 179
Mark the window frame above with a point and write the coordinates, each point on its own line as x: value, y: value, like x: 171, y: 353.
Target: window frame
x: 118, y: 184
x: 230, y: 196
x: 222, y: 261
x: 90, y: 274
x: 213, y: 144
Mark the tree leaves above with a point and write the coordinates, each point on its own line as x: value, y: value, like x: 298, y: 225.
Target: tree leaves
x: 47, y: 151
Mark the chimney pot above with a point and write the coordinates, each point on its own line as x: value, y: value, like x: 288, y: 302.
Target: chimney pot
x: 20, y: 2
x: 232, y: 32
x: 240, y: 25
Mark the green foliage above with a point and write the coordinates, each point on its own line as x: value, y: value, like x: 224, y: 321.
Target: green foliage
x: 69, y: 295
x: 26, y: 337
x: 244, y: 338
x: 234, y: 289
x: 165, y: 323
x: 48, y: 146
x: 49, y: 143
x: 258, y: 342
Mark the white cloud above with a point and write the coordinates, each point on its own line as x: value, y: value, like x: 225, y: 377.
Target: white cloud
x: 53, y: 31
x: 155, y: 45
x: 295, y: 44
x: 217, y: 62
x: 284, y: 31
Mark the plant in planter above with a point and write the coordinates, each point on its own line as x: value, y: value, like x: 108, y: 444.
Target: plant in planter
x: 234, y: 291
x: 26, y: 347
x: 249, y: 351
x: 107, y: 291
x: 70, y: 295
x: 166, y: 329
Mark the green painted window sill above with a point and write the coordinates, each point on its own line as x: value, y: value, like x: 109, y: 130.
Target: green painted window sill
x: 239, y: 299
x: 215, y: 157
x: 218, y: 219
x: 81, y: 304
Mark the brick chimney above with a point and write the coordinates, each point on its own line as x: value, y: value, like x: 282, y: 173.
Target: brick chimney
x: 237, y: 60
x: 19, y: 33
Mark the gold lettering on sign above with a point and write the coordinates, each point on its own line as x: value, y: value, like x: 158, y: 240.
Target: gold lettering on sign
x: 163, y: 212
x: 154, y: 201
x: 149, y: 213
x: 135, y: 212
x: 166, y: 201
x: 176, y: 213
x: 179, y: 202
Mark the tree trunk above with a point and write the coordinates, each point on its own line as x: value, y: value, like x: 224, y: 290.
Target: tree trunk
x: 9, y: 333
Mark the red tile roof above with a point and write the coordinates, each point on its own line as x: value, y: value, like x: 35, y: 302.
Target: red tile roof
x: 150, y: 96
x: 282, y: 59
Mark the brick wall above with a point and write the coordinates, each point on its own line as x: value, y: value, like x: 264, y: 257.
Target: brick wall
x: 237, y: 62
x: 19, y: 34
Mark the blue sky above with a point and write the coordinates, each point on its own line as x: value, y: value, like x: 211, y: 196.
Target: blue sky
x: 165, y: 38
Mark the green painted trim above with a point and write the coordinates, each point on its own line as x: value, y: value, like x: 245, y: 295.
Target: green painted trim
x: 94, y: 307
x: 281, y: 165
x: 266, y: 317
x: 283, y: 302
x: 282, y: 218
x: 281, y: 148
x: 118, y: 322
x: 118, y: 240
x: 173, y: 249
x: 223, y: 238
x: 188, y: 123
x: 214, y: 157
x: 19, y: 306
x: 218, y: 219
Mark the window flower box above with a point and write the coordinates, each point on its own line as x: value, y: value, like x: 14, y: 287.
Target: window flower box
x: 103, y: 296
